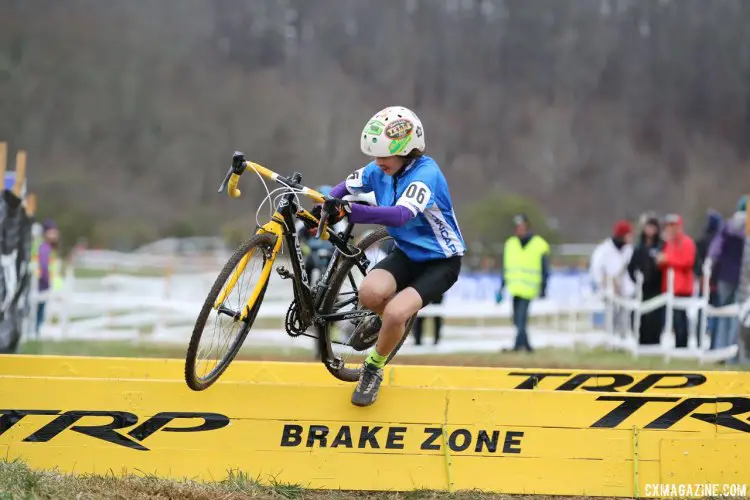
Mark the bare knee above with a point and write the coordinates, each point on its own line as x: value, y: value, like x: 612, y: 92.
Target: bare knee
x: 372, y: 298
x: 376, y: 290
x: 399, y: 311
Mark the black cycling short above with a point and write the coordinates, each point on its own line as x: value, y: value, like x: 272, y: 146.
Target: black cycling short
x: 431, y: 279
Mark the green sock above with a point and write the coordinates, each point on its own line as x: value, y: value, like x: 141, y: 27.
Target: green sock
x: 376, y: 359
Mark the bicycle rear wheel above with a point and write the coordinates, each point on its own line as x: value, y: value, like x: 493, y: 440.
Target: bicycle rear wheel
x: 339, y: 357
x: 204, y: 364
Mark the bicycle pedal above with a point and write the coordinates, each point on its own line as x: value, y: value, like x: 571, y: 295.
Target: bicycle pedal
x: 283, y: 272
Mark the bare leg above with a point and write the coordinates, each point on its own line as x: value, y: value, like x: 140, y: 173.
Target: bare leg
x: 377, y: 294
x: 397, y: 312
x: 376, y: 290
x: 374, y: 293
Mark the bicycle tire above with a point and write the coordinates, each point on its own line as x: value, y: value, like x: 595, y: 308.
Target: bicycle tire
x: 338, y: 276
x: 265, y: 241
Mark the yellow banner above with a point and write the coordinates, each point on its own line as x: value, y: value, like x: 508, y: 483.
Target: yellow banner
x: 624, y: 381
x: 512, y: 441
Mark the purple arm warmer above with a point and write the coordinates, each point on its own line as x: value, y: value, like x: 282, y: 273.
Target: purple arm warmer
x: 361, y: 214
x: 340, y: 190
x: 387, y: 216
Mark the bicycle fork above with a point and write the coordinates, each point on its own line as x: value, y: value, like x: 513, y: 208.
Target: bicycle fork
x: 273, y: 227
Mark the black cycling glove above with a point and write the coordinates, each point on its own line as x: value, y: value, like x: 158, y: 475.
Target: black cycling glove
x: 337, y: 209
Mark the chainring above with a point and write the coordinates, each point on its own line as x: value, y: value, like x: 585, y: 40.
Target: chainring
x: 293, y: 321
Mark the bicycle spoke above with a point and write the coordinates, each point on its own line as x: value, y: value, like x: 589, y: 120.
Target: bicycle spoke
x: 226, y: 323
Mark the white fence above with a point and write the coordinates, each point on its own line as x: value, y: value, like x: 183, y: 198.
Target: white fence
x: 698, y: 340
x: 163, y: 308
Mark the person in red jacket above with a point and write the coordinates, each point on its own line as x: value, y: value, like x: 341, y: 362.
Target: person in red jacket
x: 678, y: 255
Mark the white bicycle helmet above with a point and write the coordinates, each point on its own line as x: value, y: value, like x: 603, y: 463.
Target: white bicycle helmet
x: 392, y: 131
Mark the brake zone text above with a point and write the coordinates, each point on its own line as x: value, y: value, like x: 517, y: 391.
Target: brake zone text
x: 377, y: 437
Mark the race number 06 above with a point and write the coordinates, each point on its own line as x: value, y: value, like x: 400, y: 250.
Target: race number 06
x: 413, y: 193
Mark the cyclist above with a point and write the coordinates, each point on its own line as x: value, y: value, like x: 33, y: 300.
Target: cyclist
x: 414, y: 203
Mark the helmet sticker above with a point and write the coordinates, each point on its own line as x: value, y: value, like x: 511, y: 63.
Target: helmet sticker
x: 374, y: 127
x: 399, y: 129
x: 398, y: 145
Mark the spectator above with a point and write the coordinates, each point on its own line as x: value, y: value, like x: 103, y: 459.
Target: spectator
x: 713, y: 224
x: 644, y: 261
x: 609, y: 263
x: 525, y: 273
x: 679, y: 256
x: 725, y: 254
x: 50, y: 276
x: 418, y: 328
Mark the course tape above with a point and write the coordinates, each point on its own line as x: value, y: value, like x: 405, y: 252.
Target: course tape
x: 277, y: 372
x: 511, y: 441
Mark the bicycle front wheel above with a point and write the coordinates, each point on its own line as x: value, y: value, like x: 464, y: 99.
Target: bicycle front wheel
x: 220, y: 328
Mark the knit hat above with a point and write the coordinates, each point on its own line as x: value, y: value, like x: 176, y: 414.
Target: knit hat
x: 622, y: 228
x: 49, y: 224
x: 713, y: 221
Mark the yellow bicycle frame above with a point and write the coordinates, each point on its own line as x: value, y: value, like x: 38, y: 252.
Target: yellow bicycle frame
x: 275, y: 227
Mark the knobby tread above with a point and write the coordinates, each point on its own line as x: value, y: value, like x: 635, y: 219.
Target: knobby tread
x: 265, y: 241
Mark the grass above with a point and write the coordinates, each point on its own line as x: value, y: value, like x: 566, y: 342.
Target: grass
x: 130, y: 349
x: 145, y: 272
x: 17, y: 481
x: 581, y: 358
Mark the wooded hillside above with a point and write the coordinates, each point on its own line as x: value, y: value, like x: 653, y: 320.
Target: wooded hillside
x: 595, y: 109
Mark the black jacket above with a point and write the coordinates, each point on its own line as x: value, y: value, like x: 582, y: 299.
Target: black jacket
x: 643, y: 260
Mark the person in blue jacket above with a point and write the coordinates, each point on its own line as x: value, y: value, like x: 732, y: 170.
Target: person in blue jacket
x: 414, y: 203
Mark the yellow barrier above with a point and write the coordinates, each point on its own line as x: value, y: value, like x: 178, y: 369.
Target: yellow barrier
x: 631, y: 381
x: 543, y: 442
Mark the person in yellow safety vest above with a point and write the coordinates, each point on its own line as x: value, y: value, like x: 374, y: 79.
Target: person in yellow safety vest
x: 525, y: 274
x: 49, y: 268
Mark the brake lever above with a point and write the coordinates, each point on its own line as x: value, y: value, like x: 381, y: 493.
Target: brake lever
x: 226, y: 180
x: 238, y: 167
x: 322, y: 222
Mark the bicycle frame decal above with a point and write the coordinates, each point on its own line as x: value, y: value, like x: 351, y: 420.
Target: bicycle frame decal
x: 346, y: 315
x: 286, y: 208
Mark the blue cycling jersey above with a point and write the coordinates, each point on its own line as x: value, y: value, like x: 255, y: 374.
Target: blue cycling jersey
x: 421, y: 187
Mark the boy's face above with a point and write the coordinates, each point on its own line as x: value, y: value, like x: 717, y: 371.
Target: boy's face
x: 390, y: 165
